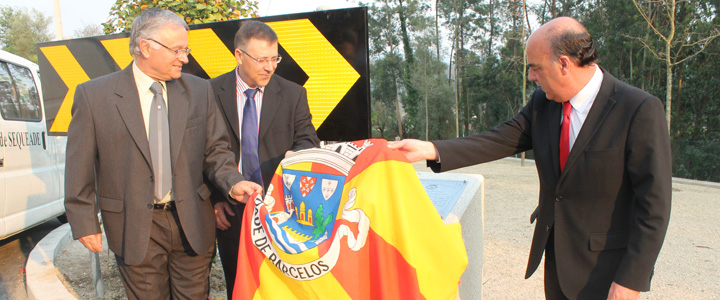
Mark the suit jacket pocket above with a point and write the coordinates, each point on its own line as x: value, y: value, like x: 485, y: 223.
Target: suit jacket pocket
x: 604, y: 167
x: 204, y: 192
x: 110, y: 204
x: 609, y: 241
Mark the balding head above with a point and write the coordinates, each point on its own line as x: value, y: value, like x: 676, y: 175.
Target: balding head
x: 566, y: 36
x: 561, y: 58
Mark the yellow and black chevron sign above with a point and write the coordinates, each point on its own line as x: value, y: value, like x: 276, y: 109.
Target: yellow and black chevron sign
x: 326, y: 52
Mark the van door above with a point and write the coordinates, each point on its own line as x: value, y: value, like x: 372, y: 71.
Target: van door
x: 32, y: 191
x: 3, y: 187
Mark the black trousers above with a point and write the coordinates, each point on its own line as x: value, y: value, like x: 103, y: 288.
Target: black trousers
x: 228, y: 242
x: 552, y: 283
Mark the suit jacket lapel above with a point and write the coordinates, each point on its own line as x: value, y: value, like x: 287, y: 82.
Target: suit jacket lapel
x: 270, y: 104
x: 228, y: 101
x: 178, y: 105
x: 598, y: 112
x: 128, y: 105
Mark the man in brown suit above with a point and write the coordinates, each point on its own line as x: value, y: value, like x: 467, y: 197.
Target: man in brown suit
x: 139, y: 144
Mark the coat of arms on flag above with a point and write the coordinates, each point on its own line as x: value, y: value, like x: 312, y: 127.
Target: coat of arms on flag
x: 347, y: 221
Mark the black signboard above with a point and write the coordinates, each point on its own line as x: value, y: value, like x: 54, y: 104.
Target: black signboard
x: 324, y: 51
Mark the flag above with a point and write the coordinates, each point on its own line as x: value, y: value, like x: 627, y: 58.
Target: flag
x: 347, y: 221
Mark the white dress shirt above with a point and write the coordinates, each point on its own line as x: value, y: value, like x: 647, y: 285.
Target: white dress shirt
x: 581, y: 104
x: 143, y: 83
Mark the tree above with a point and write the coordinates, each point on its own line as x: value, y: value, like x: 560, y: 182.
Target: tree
x: 429, y: 79
x: 387, y: 111
x: 20, y: 30
x: 88, y: 30
x: 405, y: 17
x: 410, y: 14
x: 123, y: 12
x: 680, y: 41
x: 483, y: 79
x: 386, y: 69
x: 460, y: 16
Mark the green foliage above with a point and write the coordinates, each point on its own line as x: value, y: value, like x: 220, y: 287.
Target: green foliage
x: 697, y: 160
x: 123, y: 12
x: 482, y: 43
x: 320, y: 221
x: 435, y: 101
x: 21, y: 29
x: 394, y: 25
x: 384, y: 121
x: 494, y: 91
x: 384, y: 92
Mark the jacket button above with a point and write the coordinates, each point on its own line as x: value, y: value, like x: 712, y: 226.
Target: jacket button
x: 547, y: 228
x: 558, y: 198
x: 150, y: 206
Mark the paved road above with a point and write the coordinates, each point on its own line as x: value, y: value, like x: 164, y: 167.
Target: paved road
x: 13, y: 255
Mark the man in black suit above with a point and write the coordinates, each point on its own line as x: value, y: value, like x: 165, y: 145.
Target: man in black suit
x: 284, y: 125
x: 146, y: 177
x: 605, y: 179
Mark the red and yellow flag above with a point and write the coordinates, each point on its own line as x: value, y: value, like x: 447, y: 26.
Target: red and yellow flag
x: 347, y: 221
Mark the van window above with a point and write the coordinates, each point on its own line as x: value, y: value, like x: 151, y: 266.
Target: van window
x: 18, y: 94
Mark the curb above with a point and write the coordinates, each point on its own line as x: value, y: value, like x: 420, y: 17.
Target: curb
x: 41, y: 277
x: 709, y: 184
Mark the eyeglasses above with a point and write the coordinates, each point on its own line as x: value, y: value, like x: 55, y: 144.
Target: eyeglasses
x: 177, y: 52
x: 272, y: 60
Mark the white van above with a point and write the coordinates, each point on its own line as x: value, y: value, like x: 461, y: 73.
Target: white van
x: 32, y: 164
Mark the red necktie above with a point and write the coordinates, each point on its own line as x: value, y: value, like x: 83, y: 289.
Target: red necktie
x: 565, y: 135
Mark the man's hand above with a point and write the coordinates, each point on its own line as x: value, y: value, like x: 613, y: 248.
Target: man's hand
x: 415, y: 150
x: 222, y: 211
x: 242, y: 190
x: 619, y: 292
x: 93, y: 242
x: 289, y: 152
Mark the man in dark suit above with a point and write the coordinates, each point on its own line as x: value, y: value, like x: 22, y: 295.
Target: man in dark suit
x: 282, y: 113
x: 141, y: 159
x: 605, y: 179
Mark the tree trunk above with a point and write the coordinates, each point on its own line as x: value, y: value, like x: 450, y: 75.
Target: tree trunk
x: 669, y: 62
x: 399, y: 114
x: 427, y: 117
x: 668, y: 88
x: 524, y: 77
x: 437, y: 31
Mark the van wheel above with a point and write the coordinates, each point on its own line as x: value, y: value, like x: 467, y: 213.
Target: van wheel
x: 62, y: 218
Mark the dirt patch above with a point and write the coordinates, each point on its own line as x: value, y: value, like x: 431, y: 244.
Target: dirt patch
x: 74, y: 268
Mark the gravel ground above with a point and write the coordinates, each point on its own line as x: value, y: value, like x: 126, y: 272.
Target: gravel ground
x: 73, y: 264
x: 686, y: 269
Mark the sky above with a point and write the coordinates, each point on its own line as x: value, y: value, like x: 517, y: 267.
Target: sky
x: 76, y: 14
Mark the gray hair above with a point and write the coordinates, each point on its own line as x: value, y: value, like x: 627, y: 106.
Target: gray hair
x: 254, y: 30
x: 149, y: 22
x: 574, y: 42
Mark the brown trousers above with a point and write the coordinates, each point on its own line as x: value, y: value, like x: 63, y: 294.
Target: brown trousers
x: 170, y: 270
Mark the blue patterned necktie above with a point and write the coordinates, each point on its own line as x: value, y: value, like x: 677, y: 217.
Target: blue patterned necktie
x: 159, y: 138
x: 250, y: 158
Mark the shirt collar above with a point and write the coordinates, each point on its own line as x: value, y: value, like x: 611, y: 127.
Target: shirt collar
x: 583, y: 100
x: 242, y: 86
x: 143, y: 81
